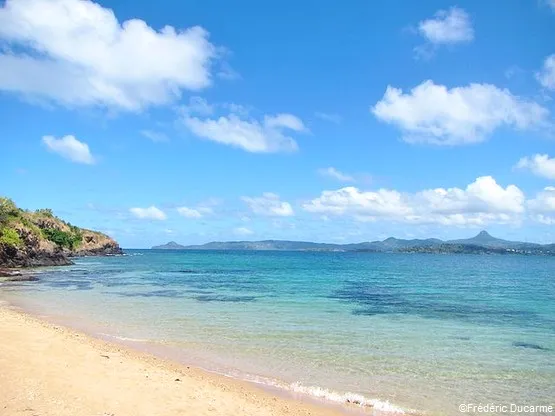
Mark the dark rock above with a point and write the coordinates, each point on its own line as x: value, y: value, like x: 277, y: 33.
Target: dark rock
x: 21, y: 278
x: 530, y: 346
x: 9, y: 272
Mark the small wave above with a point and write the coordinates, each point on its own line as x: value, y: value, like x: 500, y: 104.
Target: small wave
x: 349, y: 398
x: 120, y: 338
x: 378, y: 407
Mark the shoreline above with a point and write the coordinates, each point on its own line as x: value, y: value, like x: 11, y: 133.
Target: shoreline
x: 56, y: 370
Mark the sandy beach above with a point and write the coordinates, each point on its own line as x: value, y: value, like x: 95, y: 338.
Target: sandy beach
x: 49, y: 370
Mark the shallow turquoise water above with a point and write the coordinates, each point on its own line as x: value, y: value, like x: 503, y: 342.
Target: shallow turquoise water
x: 423, y: 332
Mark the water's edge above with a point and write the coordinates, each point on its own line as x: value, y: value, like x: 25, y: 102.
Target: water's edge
x: 351, y: 404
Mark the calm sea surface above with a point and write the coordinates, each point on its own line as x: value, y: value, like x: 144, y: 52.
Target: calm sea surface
x: 423, y: 332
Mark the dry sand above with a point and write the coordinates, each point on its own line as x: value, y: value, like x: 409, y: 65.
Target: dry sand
x: 48, y: 370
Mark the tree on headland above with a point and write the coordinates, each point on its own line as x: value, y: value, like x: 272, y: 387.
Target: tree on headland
x: 7, y: 209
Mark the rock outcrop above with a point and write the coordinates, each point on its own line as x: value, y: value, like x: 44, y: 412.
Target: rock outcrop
x: 39, y: 238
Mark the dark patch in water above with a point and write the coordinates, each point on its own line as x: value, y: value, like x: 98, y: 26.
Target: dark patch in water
x: 371, y: 299
x: 214, y: 271
x: 114, y: 284
x: 198, y: 291
x: 70, y: 284
x: 224, y: 298
x: 462, y: 338
x: 363, y: 312
x: 529, y: 346
x: 153, y: 294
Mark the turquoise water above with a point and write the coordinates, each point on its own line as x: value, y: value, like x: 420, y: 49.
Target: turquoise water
x: 422, y: 332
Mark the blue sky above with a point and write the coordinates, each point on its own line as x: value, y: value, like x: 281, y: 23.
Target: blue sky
x: 196, y: 121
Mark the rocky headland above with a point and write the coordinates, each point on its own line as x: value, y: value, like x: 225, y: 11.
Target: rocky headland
x: 39, y: 238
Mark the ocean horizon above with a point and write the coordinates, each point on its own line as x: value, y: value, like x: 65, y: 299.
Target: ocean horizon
x: 391, y: 332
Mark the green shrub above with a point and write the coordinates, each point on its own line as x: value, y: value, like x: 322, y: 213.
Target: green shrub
x: 47, y: 212
x: 30, y: 225
x: 8, y: 210
x: 10, y: 237
x: 63, y: 239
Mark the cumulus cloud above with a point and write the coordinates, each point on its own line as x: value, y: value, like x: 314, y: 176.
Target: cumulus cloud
x: 447, y: 27
x: 334, y: 173
x: 540, y: 165
x: 198, y: 105
x: 542, y: 207
x: 243, y: 231
x: 237, y: 129
x: 70, y: 148
x: 269, y: 204
x: 77, y: 53
x: 333, y: 118
x: 150, y: 213
x: 544, y: 202
x: 154, y: 136
x: 198, y: 212
x: 481, y: 202
x: 434, y: 114
x: 546, y: 76
x: 189, y: 212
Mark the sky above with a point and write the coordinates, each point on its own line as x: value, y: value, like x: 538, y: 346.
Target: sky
x: 202, y: 120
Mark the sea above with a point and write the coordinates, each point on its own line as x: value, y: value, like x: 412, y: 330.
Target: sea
x: 383, y: 334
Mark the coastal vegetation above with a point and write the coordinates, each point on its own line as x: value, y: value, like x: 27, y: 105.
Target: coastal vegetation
x: 34, y: 238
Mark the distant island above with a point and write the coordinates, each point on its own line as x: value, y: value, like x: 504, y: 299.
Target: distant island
x: 39, y: 238
x: 172, y: 245
x: 483, y: 243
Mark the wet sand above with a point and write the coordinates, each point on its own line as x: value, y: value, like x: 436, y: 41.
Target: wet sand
x: 50, y: 370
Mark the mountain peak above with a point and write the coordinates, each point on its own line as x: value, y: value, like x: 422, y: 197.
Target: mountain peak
x: 483, y: 233
x: 171, y: 245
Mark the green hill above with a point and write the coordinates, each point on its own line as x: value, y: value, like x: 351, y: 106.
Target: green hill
x: 38, y: 238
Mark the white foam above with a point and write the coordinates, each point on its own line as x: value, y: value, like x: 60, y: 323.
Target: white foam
x: 378, y: 407
x: 349, y: 398
x: 125, y: 338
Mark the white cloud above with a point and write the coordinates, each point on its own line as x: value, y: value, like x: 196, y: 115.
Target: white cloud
x: 198, y: 105
x: 540, y: 165
x: 481, y: 202
x: 205, y: 210
x: 542, y: 207
x: 243, y: 231
x: 255, y: 136
x: 198, y: 212
x: 332, y: 172
x: 447, y: 27
x: 77, y: 53
x: 155, y: 136
x: 286, y: 121
x: 189, y: 212
x: 544, y: 219
x: 269, y: 204
x: 150, y: 213
x: 434, y: 114
x: 238, y: 109
x: 546, y: 76
x: 70, y: 148
x: 333, y: 118
x: 544, y: 202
